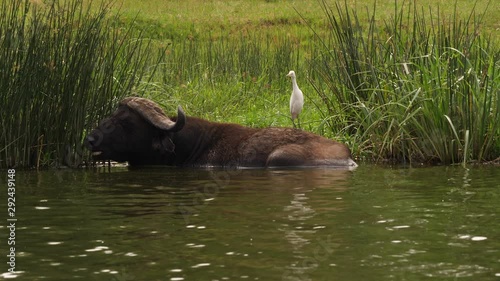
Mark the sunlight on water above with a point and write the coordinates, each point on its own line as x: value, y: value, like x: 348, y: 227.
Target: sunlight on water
x: 98, y: 248
x: 200, y: 265
x: 373, y: 223
x: 11, y: 275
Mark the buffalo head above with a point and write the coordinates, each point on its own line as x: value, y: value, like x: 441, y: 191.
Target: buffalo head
x: 137, y: 130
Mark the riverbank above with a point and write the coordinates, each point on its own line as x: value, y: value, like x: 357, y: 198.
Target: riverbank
x: 399, y: 83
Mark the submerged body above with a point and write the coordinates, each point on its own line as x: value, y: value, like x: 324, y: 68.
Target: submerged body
x: 140, y: 133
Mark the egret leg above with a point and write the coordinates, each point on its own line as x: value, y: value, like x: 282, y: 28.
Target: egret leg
x: 298, y: 121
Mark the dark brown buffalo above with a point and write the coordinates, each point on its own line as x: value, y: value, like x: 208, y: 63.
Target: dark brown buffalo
x: 139, y: 132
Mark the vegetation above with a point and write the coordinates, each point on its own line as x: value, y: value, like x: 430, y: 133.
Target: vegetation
x: 62, y: 68
x: 406, y: 83
x: 417, y: 88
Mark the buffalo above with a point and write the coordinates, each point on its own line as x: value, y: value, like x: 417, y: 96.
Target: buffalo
x: 140, y: 133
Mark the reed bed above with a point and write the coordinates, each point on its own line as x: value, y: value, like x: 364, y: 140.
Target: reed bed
x: 419, y: 87
x: 62, y: 68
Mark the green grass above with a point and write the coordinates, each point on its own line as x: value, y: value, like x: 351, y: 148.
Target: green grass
x: 62, y: 68
x: 393, y: 80
x: 410, y: 90
x: 195, y: 18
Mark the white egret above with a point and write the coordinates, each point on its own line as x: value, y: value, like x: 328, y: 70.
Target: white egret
x: 296, y: 100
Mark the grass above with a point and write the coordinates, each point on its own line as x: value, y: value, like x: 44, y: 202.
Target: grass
x: 411, y: 90
x: 392, y: 80
x: 195, y: 18
x: 62, y: 70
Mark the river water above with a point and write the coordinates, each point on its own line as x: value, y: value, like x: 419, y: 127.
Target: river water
x: 373, y: 223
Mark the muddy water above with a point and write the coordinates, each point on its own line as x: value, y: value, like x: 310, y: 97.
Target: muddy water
x: 374, y: 223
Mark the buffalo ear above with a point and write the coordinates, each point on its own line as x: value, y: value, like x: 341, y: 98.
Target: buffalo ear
x: 163, y: 144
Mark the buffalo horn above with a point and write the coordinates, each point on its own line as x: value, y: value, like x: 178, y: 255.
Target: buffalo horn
x: 154, y: 114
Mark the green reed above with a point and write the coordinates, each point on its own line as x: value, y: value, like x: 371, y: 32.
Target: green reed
x: 419, y: 87
x: 62, y: 68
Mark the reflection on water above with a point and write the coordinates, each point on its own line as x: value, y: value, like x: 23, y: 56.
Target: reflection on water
x: 373, y: 223
x: 297, y: 231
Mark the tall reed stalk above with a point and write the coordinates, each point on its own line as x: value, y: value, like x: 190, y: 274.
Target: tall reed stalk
x: 419, y: 87
x: 62, y: 68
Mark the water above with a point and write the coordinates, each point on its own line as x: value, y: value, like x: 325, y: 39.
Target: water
x: 374, y: 223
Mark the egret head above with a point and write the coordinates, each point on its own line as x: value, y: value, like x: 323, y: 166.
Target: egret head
x: 291, y: 73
